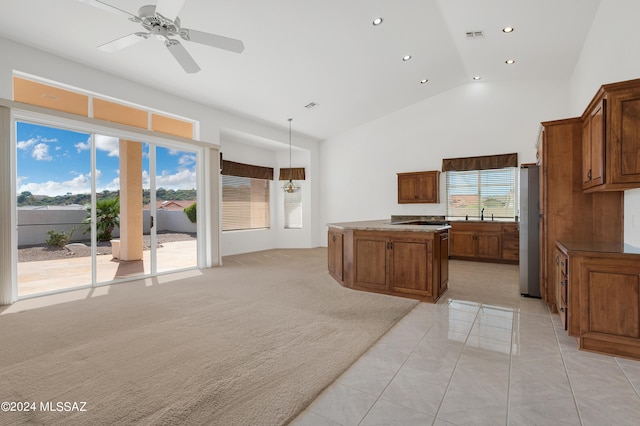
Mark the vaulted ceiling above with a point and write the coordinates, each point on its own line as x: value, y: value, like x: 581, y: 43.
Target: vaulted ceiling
x: 324, y: 52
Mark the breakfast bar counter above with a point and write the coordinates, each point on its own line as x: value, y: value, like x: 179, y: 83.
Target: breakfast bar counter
x: 407, y: 258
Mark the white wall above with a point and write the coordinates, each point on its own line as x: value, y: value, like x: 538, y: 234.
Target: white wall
x: 277, y: 236
x: 611, y: 53
x: 481, y: 118
x: 26, y: 59
x: 244, y: 241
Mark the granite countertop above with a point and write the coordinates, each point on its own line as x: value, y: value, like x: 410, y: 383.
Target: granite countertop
x: 387, y: 225
x: 615, y: 248
x: 508, y: 221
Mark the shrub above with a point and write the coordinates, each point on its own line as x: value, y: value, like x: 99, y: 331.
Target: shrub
x: 191, y: 212
x: 107, y: 215
x: 59, y: 239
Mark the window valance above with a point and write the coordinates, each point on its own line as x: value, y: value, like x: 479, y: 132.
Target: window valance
x: 231, y: 168
x: 480, y: 163
x: 294, y: 173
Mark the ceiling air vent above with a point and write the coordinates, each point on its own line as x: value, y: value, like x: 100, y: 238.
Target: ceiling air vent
x: 311, y: 105
x: 474, y: 35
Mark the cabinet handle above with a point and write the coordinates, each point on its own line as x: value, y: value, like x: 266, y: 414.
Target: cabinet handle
x: 562, y: 283
x: 334, y: 238
x: 557, y: 260
x: 561, y: 309
x: 589, y: 175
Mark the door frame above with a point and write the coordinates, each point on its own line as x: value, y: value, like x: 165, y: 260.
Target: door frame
x: 208, y: 242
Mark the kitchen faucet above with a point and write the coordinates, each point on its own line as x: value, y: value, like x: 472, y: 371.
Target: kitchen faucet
x: 482, y: 214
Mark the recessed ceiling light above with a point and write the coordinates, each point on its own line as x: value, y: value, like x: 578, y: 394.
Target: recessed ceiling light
x: 377, y: 21
x: 406, y: 58
x: 509, y: 61
x: 477, y: 77
x: 507, y: 30
x: 423, y: 81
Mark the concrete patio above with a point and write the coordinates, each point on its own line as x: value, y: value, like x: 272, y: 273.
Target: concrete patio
x: 51, y: 275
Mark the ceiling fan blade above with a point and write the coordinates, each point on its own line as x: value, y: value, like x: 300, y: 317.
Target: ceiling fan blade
x: 122, y: 42
x: 182, y: 56
x: 109, y: 8
x: 169, y: 8
x: 213, y: 40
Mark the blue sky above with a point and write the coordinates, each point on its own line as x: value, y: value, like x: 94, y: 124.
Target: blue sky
x: 53, y: 161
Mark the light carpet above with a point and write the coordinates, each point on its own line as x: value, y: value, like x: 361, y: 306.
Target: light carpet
x: 250, y: 343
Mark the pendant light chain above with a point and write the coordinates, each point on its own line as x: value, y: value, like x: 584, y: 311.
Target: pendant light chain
x: 290, y: 147
x: 290, y: 187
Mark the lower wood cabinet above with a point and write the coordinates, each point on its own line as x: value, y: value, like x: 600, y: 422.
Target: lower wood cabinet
x: 336, y: 254
x: 610, y: 306
x: 389, y: 263
x: 562, y: 285
x: 485, y: 241
x: 511, y: 242
x: 411, y: 264
x: 599, y: 290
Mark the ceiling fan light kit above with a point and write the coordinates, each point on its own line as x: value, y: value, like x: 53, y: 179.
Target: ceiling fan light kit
x: 162, y: 22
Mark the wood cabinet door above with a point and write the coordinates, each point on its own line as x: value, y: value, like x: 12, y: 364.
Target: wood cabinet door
x: 609, y: 305
x: 407, y: 188
x: 593, y: 146
x: 625, y: 139
x: 410, y: 267
x: 370, y: 262
x: 444, y: 263
x: 510, y: 242
x: 336, y: 255
x: 489, y: 245
x: 427, y: 185
x: 586, y: 153
x: 462, y: 243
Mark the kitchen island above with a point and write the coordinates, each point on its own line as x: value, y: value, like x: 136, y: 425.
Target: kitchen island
x: 401, y: 259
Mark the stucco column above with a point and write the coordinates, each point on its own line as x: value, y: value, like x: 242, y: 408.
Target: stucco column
x: 130, y: 200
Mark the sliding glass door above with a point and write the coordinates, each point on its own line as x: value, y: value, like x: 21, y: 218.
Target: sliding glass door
x: 175, y: 209
x: 95, y: 209
x: 53, y: 187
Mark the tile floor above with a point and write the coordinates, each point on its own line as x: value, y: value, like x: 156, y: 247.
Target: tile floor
x: 483, y: 355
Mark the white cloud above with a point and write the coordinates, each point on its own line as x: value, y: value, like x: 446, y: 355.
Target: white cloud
x: 184, y: 179
x: 41, y: 152
x: 114, y: 185
x: 26, y: 144
x: 187, y: 160
x: 82, y: 146
x: 80, y: 184
x: 108, y: 144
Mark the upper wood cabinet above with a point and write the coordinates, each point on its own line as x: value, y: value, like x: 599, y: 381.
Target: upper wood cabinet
x: 593, y: 146
x: 611, y: 138
x: 419, y: 187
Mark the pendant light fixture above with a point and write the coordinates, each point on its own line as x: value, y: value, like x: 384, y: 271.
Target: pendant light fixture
x: 290, y: 187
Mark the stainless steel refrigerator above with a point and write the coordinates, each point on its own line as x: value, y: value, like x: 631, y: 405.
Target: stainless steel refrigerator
x: 529, y: 231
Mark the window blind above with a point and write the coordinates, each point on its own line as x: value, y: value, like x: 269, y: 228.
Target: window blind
x: 293, y: 210
x: 494, y: 190
x: 245, y: 203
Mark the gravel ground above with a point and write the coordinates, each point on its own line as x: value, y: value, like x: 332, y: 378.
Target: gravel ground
x: 82, y: 249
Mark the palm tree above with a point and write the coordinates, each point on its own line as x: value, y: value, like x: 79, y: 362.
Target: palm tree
x: 107, y: 216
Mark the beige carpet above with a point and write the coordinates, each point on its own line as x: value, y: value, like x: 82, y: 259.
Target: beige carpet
x: 251, y: 343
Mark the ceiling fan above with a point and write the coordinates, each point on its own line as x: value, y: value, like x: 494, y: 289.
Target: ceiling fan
x: 162, y: 21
